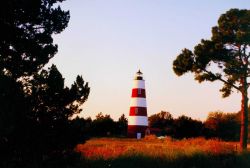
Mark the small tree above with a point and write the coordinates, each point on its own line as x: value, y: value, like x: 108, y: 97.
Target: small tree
x: 122, y: 125
x: 82, y: 127
x: 222, y: 125
x: 225, y: 57
x: 103, y: 125
x: 161, y: 120
x: 186, y: 127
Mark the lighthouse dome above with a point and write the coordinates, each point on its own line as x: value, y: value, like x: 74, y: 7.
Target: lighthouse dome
x: 139, y: 75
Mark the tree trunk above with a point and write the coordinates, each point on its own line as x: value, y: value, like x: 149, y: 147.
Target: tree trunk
x: 244, y: 116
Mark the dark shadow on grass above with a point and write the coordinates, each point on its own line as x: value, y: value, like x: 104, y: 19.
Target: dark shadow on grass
x: 194, y: 161
x: 139, y: 161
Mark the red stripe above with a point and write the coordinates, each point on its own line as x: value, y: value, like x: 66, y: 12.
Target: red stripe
x: 138, y: 111
x: 134, y: 129
x: 138, y: 93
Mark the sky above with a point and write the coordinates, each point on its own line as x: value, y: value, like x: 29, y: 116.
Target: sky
x: 108, y: 41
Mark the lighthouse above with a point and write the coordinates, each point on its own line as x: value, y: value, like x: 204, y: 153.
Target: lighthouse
x: 138, y: 120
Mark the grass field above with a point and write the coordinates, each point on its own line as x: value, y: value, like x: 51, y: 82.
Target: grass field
x: 152, y: 152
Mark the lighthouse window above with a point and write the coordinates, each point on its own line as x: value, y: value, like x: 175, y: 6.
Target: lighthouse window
x: 136, y: 110
x: 139, y: 91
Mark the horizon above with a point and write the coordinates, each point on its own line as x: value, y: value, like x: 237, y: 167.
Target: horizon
x: 107, y: 42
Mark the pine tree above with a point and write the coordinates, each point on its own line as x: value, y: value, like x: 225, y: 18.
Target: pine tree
x: 225, y: 57
x: 35, y: 105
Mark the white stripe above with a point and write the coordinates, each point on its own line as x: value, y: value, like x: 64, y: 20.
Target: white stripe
x: 138, y: 102
x: 139, y: 84
x: 138, y: 120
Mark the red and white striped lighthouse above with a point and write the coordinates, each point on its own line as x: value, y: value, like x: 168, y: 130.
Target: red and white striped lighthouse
x: 138, y: 120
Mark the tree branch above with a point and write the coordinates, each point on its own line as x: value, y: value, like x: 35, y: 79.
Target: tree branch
x: 221, y: 79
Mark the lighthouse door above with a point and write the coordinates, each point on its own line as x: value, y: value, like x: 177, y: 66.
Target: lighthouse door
x: 138, y: 135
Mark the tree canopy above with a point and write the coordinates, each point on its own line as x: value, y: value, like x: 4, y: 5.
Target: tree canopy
x: 161, y: 120
x: 26, y: 42
x: 222, y: 125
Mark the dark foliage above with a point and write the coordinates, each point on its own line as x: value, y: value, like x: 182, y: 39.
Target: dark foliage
x: 104, y: 125
x: 35, y: 106
x: 197, y: 160
x: 101, y: 126
x: 225, y: 126
x: 122, y: 125
x: 83, y: 127
x: 26, y: 42
x: 186, y: 127
x: 220, y: 125
x: 44, y: 127
x: 162, y: 120
x: 181, y: 127
x: 13, y: 110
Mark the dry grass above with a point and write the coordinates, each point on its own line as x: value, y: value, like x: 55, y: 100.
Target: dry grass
x: 167, y: 148
x: 151, y: 152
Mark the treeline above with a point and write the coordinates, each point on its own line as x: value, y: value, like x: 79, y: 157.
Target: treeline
x: 101, y: 126
x: 225, y: 126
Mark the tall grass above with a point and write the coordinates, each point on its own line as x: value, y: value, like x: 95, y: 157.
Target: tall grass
x: 151, y: 152
x: 166, y: 148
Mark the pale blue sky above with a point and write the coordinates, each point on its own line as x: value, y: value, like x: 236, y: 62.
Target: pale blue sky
x: 107, y: 41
